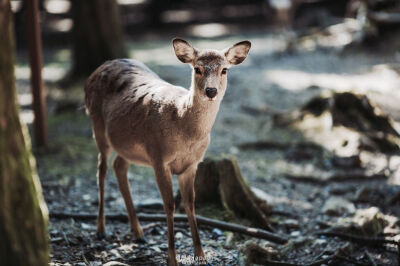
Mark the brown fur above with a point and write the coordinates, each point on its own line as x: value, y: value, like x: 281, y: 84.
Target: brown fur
x: 150, y: 122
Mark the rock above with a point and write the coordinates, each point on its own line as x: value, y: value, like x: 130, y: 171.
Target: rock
x: 257, y: 254
x: 156, y: 249
x: 155, y: 231
x: 295, y: 244
x: 86, y: 226
x: 319, y: 244
x: 291, y: 224
x: 229, y: 239
x: 370, y: 221
x: 338, y: 206
x: 295, y: 234
x: 115, y: 263
x: 216, y: 233
x: 111, y: 246
x: 363, y: 194
x: 98, y: 263
x: 347, y: 162
x: 164, y: 246
x: 178, y: 235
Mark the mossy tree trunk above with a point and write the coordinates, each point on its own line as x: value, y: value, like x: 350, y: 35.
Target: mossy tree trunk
x: 23, y: 213
x: 97, y: 35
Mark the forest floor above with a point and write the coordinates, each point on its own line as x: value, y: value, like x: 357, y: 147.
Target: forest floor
x: 300, y: 179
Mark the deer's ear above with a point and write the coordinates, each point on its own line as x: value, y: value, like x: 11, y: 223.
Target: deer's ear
x: 237, y: 53
x: 183, y: 50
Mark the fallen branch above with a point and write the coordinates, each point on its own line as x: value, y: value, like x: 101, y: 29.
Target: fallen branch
x: 150, y: 206
x: 360, y: 239
x: 273, y: 145
x: 348, y: 176
x: 255, y: 232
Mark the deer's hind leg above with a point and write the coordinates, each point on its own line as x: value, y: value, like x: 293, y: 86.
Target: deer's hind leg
x: 104, y: 154
x: 121, y: 167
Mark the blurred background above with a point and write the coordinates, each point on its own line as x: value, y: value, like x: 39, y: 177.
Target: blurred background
x: 311, y: 115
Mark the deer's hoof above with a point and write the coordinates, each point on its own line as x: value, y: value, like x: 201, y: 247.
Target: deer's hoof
x: 101, y: 235
x: 172, y: 262
x: 141, y: 240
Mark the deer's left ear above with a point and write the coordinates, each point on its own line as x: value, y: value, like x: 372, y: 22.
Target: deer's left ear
x: 237, y: 53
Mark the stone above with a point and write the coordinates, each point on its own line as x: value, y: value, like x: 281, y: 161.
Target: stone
x: 338, y: 206
x: 115, y: 263
x: 291, y: 224
x: 178, y: 235
x: 216, y: 233
x: 257, y: 254
x: 363, y: 194
x: 295, y: 234
x: 370, y: 221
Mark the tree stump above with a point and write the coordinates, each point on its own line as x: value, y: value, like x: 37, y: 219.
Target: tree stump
x: 352, y: 111
x: 219, y: 181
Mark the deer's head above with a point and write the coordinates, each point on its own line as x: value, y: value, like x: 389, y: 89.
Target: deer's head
x: 210, y: 67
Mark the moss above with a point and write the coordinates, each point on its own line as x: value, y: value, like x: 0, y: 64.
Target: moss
x: 23, y: 213
x: 71, y: 150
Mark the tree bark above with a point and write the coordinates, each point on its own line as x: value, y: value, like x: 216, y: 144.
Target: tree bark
x: 23, y: 213
x: 97, y: 35
x: 219, y: 181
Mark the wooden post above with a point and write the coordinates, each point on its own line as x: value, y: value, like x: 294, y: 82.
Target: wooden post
x: 35, y: 61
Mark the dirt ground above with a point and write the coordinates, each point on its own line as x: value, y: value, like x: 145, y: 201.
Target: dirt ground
x: 275, y: 79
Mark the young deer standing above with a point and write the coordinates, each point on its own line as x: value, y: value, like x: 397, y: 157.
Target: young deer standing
x: 150, y: 122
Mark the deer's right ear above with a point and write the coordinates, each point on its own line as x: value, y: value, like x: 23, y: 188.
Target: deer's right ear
x: 183, y: 50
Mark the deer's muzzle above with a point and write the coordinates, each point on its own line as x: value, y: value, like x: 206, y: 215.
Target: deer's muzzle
x: 211, y: 92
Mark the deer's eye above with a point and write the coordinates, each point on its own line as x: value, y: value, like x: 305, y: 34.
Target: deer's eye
x: 197, y: 70
x: 224, y: 71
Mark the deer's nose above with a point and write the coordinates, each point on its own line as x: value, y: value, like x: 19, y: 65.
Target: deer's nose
x: 211, y: 92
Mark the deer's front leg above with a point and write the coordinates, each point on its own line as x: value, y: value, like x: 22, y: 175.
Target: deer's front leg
x: 186, y: 186
x: 164, y: 182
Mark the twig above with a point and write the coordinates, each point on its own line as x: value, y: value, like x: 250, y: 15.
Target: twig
x: 149, y: 226
x: 283, y: 213
x: 152, y: 206
x: 84, y: 259
x: 273, y: 145
x: 359, y: 239
x: 340, y: 176
x: 255, y: 232
x: 325, y: 260
x: 66, y: 238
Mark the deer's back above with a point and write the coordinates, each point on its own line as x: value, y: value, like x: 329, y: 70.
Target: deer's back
x: 136, y: 109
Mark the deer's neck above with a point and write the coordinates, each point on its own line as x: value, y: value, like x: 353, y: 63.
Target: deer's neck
x: 200, y: 114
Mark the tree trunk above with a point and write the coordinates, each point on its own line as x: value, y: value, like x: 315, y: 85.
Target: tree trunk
x: 23, y: 213
x: 97, y: 35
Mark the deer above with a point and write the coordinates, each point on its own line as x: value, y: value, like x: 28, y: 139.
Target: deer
x: 148, y: 121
